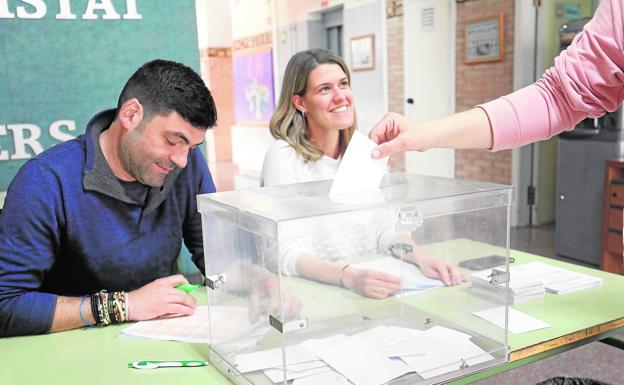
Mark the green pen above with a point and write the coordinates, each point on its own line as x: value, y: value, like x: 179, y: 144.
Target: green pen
x: 166, y: 364
x: 188, y: 287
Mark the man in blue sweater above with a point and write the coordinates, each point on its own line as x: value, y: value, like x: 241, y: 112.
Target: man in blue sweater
x: 91, y: 228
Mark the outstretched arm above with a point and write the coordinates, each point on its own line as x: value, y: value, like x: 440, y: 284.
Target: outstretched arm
x: 585, y: 81
x: 395, y: 133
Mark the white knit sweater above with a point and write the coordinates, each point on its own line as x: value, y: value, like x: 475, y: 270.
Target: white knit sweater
x: 354, y: 234
x: 282, y: 165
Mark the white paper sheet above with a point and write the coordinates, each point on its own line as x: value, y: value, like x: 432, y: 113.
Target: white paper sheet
x: 429, y: 366
x: 358, y: 171
x: 306, y: 351
x: 383, y: 337
x: 518, y: 322
x: 272, y: 358
x: 413, y: 279
x: 193, y: 328
x: 361, y: 364
x: 277, y: 374
x: 556, y: 279
x: 327, y: 378
x: 446, y: 348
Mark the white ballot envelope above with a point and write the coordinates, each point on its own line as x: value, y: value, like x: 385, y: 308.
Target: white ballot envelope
x: 358, y: 171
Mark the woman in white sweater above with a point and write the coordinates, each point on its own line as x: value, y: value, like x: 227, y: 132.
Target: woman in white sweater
x: 312, y: 125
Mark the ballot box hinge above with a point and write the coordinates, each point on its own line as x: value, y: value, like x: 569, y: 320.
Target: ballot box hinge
x: 284, y: 327
x: 498, y: 276
x: 215, y: 281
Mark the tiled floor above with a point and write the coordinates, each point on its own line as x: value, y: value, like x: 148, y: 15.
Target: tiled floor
x: 596, y: 360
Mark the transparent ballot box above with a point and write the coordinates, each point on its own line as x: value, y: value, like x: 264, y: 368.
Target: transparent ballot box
x: 307, y: 288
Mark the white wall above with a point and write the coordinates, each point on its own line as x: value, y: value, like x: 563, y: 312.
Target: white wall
x: 214, y: 23
x: 429, y: 52
x: 214, y: 26
x: 250, y: 17
x: 249, y: 145
x: 370, y: 86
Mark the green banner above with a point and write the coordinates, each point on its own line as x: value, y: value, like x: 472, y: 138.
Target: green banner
x: 61, y: 61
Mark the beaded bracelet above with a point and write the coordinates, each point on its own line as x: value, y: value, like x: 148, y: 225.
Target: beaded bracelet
x: 109, y: 308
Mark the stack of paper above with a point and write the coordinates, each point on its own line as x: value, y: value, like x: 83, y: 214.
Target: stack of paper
x: 531, y: 280
x: 374, y: 356
x: 523, y: 287
x: 558, y: 280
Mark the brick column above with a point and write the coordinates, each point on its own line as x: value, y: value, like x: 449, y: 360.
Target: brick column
x: 478, y: 83
x: 396, y: 80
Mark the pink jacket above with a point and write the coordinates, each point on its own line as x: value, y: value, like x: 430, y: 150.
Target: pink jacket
x: 586, y: 80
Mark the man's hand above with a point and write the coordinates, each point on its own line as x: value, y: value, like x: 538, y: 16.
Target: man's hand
x: 440, y: 269
x: 395, y: 133
x: 160, y: 298
x: 371, y: 283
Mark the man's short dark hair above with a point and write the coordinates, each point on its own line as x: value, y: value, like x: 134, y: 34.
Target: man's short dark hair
x: 163, y: 86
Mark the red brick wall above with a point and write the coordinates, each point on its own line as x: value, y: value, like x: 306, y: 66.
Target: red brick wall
x: 217, y: 65
x: 396, y: 93
x: 478, y: 83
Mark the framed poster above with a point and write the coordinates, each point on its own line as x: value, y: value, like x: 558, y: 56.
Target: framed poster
x: 363, y: 52
x: 484, y: 40
x: 253, y: 86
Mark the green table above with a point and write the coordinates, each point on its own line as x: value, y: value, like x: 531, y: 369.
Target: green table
x: 100, y: 356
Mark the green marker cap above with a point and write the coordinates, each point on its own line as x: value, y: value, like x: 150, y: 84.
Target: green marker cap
x: 187, y: 287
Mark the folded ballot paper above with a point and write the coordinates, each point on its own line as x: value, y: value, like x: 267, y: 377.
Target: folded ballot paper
x: 531, y: 280
x: 371, y: 357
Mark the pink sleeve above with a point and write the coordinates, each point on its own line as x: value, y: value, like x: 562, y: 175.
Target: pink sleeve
x: 586, y: 80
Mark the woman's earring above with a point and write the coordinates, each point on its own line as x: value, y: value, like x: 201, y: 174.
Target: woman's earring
x: 303, y: 113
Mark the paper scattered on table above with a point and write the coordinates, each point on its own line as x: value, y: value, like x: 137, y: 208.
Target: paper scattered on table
x: 412, y: 278
x: 330, y: 377
x: 371, y: 357
x: 388, y: 338
x: 362, y: 364
x: 518, y: 321
x: 294, y: 371
x: 447, y: 350
x: 272, y: 358
x: 193, y: 328
x: 358, y: 171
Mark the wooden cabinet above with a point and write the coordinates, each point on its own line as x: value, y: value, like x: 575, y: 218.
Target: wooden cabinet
x: 612, y: 244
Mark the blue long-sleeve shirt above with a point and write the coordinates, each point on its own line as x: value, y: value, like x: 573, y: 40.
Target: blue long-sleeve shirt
x: 68, y: 227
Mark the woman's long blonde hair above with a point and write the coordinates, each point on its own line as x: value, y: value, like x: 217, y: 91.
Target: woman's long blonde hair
x: 288, y: 123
